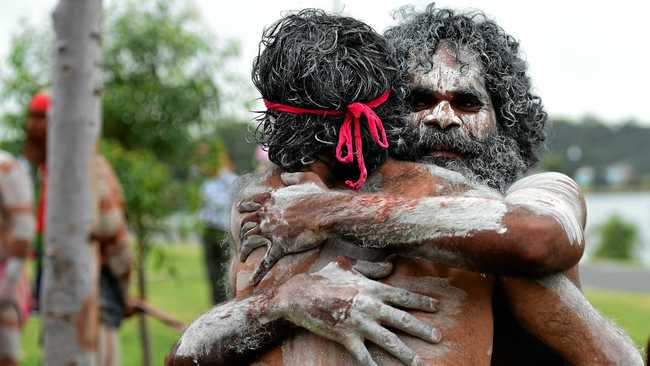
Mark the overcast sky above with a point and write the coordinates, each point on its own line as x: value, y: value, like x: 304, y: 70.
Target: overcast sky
x: 586, y: 57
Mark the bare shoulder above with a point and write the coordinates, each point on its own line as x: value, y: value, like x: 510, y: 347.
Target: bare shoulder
x: 547, y: 180
x: 7, y: 161
x: 553, y: 193
x: 420, y: 179
x: 250, y: 184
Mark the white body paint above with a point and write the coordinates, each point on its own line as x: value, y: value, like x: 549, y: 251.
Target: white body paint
x: 457, y: 217
x: 602, y: 329
x: 210, y: 328
x: 552, y: 194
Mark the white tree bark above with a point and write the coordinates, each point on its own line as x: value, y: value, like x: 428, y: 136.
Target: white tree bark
x: 70, y: 286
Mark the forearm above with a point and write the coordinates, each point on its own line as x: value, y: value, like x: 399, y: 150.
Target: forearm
x: 483, y: 234
x: 555, y: 311
x: 232, y: 333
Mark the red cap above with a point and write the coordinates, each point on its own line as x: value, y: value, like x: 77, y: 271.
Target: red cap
x: 40, y: 103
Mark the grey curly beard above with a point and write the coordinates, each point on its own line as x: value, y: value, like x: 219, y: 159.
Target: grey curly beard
x: 495, y: 161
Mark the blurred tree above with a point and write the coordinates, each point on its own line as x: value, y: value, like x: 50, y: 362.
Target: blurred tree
x: 619, y: 239
x: 602, y: 145
x: 161, y: 89
x: 71, y: 269
x: 554, y: 161
x: 238, y: 141
x: 29, y: 69
x: 163, y: 71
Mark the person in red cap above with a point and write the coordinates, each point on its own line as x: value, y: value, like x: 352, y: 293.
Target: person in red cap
x: 109, y: 229
x: 16, y: 233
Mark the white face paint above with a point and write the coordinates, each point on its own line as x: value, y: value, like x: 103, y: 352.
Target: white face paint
x: 552, y: 194
x: 453, y: 93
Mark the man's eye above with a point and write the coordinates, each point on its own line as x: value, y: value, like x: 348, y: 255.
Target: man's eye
x: 422, y: 101
x: 418, y: 106
x: 467, y: 102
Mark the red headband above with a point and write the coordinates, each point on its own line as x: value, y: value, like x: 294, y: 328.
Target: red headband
x: 352, y: 113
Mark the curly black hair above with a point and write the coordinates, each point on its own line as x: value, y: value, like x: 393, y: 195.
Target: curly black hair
x: 315, y: 60
x: 520, y: 113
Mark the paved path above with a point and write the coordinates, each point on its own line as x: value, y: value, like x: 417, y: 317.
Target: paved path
x: 615, y: 277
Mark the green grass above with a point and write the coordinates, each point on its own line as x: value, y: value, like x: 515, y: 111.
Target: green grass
x: 631, y: 311
x: 185, y: 295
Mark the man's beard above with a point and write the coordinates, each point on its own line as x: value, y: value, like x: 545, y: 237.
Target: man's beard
x: 494, y: 161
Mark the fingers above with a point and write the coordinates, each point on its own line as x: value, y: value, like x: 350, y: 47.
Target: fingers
x: 251, y: 217
x: 273, y: 254
x: 406, y: 299
x: 248, y: 236
x: 248, y: 206
x: 292, y: 179
x: 407, y: 323
x: 251, y: 243
x: 390, y: 342
x: 254, y: 202
x: 248, y: 228
x: 358, y: 349
x: 374, y: 270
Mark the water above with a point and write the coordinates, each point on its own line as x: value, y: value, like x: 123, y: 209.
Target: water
x: 632, y: 206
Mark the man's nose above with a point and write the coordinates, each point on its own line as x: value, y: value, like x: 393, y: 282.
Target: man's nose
x: 442, y: 116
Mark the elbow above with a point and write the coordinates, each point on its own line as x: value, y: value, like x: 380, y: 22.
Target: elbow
x: 546, y: 249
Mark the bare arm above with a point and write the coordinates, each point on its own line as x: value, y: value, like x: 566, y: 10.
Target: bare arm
x: 110, y: 227
x: 337, y: 303
x: 233, y: 333
x: 535, y: 229
x: 555, y: 311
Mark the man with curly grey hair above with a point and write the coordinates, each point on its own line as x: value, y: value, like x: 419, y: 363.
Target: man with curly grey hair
x: 462, y: 224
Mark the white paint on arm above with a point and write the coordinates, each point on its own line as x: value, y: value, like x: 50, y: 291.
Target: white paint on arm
x: 552, y: 194
x: 439, y: 217
x: 611, y: 340
x: 234, y: 326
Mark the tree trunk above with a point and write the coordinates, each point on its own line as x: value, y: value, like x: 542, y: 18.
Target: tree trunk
x: 145, y: 341
x: 70, y: 285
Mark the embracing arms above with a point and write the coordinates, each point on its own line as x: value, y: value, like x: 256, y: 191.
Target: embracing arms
x: 336, y: 302
x: 535, y: 229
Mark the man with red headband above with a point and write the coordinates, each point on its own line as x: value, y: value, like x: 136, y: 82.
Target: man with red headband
x: 108, y: 229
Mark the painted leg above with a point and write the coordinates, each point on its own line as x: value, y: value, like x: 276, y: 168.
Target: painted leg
x: 109, y: 347
x: 9, y: 337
